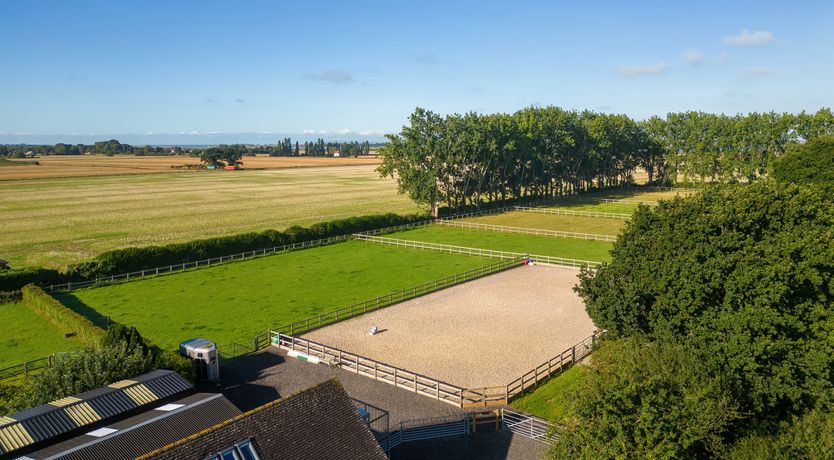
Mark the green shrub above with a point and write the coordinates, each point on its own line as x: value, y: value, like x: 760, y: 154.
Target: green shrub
x: 808, y: 163
x: 13, y: 280
x: 808, y: 437
x: 74, y: 373
x: 63, y: 317
x: 120, y: 334
x: 646, y: 399
x: 173, y: 361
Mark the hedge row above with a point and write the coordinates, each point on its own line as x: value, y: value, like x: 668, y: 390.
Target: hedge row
x: 13, y: 280
x: 46, y: 305
x: 133, y: 259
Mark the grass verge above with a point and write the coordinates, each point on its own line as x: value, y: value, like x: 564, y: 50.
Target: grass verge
x: 552, y: 401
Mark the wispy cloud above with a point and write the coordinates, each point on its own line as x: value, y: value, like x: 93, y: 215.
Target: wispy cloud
x: 333, y: 76
x: 747, y: 38
x: 759, y: 71
x: 210, y: 100
x: 693, y: 57
x: 239, y: 101
x: 630, y: 71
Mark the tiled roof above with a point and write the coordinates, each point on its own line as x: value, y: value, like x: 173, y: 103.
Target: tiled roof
x: 145, y: 432
x: 42, y: 423
x: 320, y: 423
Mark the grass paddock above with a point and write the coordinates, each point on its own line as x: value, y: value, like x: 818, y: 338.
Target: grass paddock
x: 570, y: 248
x: 235, y: 301
x: 25, y: 335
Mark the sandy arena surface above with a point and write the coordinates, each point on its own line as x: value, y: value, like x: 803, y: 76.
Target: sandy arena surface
x: 483, y: 333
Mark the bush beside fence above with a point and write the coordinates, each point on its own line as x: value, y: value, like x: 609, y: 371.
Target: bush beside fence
x: 60, y: 315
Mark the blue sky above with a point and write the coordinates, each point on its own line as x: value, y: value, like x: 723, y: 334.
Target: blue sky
x: 205, y: 72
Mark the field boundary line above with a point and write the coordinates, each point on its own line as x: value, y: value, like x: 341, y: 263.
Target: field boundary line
x: 527, y: 231
x: 569, y: 212
x: 177, y: 268
x: 413, y: 244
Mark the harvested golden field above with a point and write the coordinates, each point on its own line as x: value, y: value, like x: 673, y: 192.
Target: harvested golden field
x: 101, y: 165
x: 56, y: 222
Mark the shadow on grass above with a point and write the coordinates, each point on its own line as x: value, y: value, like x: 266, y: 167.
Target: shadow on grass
x: 75, y: 304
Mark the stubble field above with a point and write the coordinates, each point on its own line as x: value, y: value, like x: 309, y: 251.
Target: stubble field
x: 56, y: 222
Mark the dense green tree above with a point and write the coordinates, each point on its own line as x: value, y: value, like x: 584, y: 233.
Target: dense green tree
x: 809, y: 437
x: 742, y: 275
x: 808, y: 163
x: 120, y: 334
x: 647, y: 400
x: 74, y: 373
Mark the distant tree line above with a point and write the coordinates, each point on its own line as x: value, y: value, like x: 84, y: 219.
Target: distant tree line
x: 284, y: 147
x: 471, y: 159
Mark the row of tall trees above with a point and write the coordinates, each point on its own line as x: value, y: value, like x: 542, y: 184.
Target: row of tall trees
x: 705, y: 147
x: 465, y: 160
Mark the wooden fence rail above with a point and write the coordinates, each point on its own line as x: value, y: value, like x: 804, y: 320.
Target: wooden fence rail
x: 570, y: 212
x: 527, y: 231
x: 360, y: 365
x: 550, y: 260
x: 139, y: 274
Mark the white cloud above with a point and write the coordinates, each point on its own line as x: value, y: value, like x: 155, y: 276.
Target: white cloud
x: 693, y: 57
x: 333, y: 76
x: 344, y: 131
x: 723, y: 57
x: 371, y: 132
x: 747, y: 38
x: 639, y: 70
x: 759, y: 71
x: 308, y: 131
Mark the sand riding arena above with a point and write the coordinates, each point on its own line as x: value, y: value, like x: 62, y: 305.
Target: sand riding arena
x: 482, y: 333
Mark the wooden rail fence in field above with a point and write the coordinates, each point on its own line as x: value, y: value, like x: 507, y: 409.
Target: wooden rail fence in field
x: 526, y: 231
x: 570, y: 212
x: 139, y: 274
x: 550, y: 260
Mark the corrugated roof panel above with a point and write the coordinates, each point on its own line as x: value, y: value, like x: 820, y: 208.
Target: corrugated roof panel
x: 64, y: 401
x: 112, y: 404
x: 14, y: 437
x: 44, y: 427
x: 82, y: 414
x: 121, y: 384
x: 140, y: 394
x: 43, y: 422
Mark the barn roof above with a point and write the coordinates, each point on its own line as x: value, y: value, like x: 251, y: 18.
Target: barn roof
x: 48, y: 421
x: 142, y: 433
x: 320, y: 422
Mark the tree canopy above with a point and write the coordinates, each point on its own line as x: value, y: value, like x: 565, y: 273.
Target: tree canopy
x: 808, y: 163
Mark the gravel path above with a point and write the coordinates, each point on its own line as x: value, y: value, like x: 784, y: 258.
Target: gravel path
x: 486, y: 332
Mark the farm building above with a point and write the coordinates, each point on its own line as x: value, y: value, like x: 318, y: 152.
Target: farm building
x: 158, y: 415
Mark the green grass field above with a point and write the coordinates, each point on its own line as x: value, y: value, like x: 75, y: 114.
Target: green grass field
x: 56, y: 222
x: 597, y: 225
x: 24, y: 335
x: 552, y: 401
x: 570, y: 248
x: 233, y: 302
x: 624, y: 208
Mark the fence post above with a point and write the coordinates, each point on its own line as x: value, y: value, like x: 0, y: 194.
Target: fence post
x: 573, y: 354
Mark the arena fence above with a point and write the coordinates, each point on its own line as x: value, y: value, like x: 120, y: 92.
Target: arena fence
x: 528, y: 426
x: 526, y: 231
x: 433, y: 388
x: 401, y: 378
x: 550, y: 260
x: 570, y: 212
